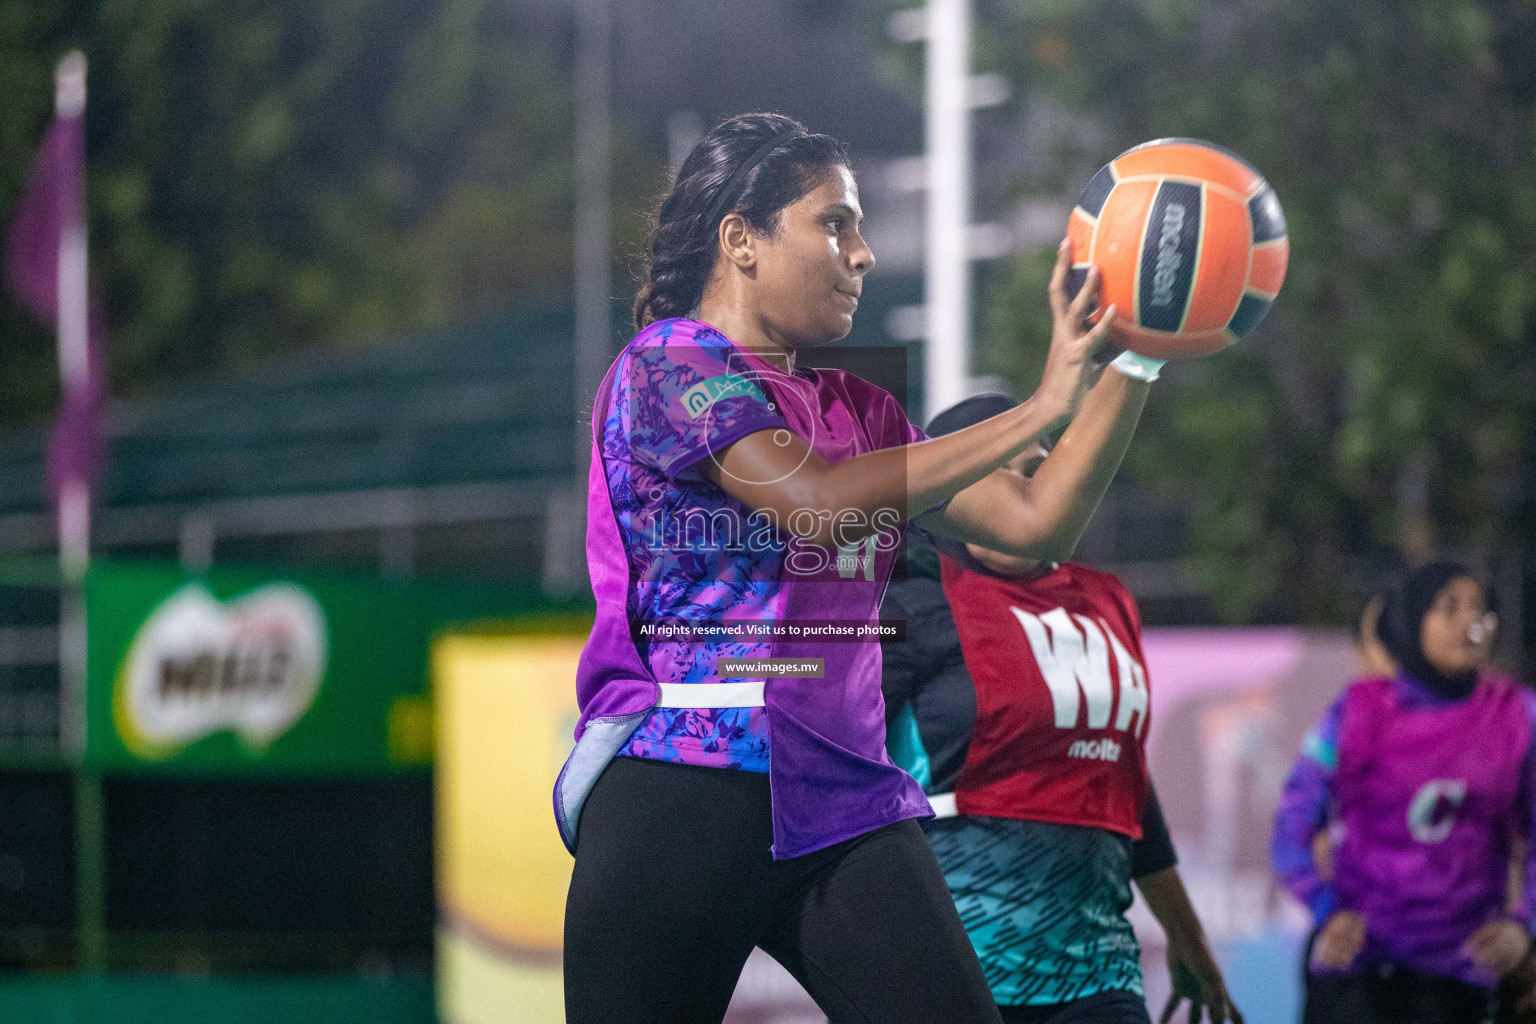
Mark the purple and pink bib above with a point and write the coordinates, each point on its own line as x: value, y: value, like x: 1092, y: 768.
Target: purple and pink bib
x: 668, y: 547
x: 1427, y: 797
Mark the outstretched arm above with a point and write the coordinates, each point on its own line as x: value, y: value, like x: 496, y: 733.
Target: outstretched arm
x: 839, y: 504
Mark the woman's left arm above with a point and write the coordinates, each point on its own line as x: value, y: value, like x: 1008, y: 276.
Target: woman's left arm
x: 1010, y: 513
x: 1191, y: 965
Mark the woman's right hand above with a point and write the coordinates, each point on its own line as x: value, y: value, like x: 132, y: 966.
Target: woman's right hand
x: 1340, y: 941
x: 1079, y: 351
x: 1498, y: 946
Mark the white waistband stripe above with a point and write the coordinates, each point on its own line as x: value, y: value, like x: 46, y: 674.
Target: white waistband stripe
x: 944, y: 805
x: 744, y: 694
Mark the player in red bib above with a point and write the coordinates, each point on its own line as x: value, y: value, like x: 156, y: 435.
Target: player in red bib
x: 1021, y: 700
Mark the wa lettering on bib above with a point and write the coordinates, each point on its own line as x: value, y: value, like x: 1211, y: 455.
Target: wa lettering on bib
x: 1063, y: 700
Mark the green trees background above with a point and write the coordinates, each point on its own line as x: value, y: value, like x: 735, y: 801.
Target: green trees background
x: 275, y: 174
x: 282, y: 174
x: 1387, y: 406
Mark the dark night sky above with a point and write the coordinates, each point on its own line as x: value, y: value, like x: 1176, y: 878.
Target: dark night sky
x: 811, y: 59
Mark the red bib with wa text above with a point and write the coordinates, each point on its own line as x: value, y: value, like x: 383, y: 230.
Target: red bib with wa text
x: 1062, y: 698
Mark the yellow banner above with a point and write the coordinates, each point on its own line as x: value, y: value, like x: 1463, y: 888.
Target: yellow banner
x: 506, y: 708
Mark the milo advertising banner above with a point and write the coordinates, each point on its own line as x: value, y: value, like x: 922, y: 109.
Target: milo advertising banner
x: 245, y: 670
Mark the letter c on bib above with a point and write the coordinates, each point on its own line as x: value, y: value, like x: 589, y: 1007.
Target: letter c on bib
x: 1432, y: 814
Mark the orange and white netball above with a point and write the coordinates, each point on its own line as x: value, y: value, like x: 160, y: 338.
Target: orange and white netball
x: 1191, y: 243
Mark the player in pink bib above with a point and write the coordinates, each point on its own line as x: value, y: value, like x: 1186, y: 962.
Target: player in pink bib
x: 1428, y: 776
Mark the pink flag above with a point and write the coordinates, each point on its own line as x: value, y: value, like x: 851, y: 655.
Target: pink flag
x: 45, y: 267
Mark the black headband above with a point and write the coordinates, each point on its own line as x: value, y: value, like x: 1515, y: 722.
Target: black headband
x: 727, y: 193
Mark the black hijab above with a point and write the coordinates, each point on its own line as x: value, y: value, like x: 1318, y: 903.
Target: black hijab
x: 1401, y: 626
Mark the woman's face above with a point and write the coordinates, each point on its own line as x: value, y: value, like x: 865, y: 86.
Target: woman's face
x: 810, y: 271
x: 1457, y: 634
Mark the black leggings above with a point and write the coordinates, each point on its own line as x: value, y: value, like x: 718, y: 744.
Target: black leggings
x: 1113, y: 1007
x: 674, y: 885
x: 1393, y: 996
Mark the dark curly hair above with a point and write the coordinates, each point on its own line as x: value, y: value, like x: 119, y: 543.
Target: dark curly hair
x: 683, y: 242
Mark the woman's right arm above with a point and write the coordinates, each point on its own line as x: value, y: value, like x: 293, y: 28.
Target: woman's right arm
x: 838, y: 503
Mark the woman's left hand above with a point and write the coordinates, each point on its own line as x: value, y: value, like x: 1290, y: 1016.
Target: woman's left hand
x: 1498, y: 946
x: 1197, y: 980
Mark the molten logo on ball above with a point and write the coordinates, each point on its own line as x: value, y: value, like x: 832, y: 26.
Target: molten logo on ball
x: 1168, y: 258
x: 1190, y: 242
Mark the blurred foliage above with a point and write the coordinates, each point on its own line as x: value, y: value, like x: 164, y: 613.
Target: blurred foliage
x: 1387, y: 405
x: 267, y: 176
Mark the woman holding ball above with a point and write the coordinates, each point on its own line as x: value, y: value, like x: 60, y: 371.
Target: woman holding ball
x: 714, y: 806
x: 1432, y: 772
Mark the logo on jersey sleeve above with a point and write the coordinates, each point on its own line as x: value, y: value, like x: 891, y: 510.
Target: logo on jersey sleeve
x: 1432, y: 813
x: 698, y: 399
x: 1073, y: 654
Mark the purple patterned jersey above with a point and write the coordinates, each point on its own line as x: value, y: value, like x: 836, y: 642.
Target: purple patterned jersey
x: 667, y: 547
x: 678, y: 397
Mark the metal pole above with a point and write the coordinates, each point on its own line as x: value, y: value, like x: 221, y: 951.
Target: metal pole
x: 565, y: 523
x: 74, y: 557
x: 947, y: 348
x: 90, y: 871
x: 594, y: 328
x: 74, y: 497
x: 73, y: 324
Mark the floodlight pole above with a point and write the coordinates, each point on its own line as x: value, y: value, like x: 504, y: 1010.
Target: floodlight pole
x: 594, y: 32
x: 565, y: 517
x: 74, y: 524
x: 947, y: 277
x: 74, y: 493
